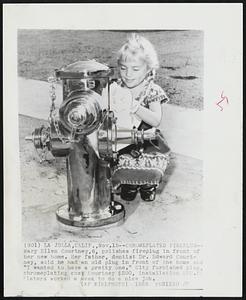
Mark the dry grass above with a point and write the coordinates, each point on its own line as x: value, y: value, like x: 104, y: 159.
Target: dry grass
x: 180, y: 54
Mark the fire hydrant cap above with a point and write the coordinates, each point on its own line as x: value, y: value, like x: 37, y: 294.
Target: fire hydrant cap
x: 88, y: 65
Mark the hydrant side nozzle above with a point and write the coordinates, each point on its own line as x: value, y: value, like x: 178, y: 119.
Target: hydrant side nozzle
x: 29, y: 138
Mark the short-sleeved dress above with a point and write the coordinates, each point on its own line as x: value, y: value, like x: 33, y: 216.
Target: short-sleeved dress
x: 144, y: 164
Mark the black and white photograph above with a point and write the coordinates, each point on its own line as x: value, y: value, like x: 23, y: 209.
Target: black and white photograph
x: 138, y: 156
x: 114, y: 153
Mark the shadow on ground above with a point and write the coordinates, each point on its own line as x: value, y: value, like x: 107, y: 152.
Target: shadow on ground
x: 176, y: 214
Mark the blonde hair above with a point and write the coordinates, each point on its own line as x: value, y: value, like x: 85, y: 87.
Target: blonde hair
x: 139, y: 46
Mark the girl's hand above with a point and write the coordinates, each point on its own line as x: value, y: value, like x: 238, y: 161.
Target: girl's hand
x: 151, y: 115
x: 134, y: 106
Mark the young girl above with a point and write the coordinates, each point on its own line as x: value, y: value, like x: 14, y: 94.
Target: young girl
x: 140, y: 98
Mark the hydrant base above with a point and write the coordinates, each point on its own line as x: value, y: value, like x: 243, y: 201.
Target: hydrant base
x: 115, y: 213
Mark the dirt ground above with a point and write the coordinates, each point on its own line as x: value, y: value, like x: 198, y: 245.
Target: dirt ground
x: 176, y: 214
x: 180, y: 55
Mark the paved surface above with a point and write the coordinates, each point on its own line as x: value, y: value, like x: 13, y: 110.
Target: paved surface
x: 176, y: 214
x: 182, y: 127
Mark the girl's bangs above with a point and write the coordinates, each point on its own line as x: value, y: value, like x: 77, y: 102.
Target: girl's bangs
x: 129, y: 56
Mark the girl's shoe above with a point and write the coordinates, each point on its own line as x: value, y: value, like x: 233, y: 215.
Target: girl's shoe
x: 148, y: 192
x: 128, y: 192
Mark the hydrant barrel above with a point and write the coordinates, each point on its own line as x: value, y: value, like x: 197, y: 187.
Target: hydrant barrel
x: 89, y: 189
x: 88, y: 185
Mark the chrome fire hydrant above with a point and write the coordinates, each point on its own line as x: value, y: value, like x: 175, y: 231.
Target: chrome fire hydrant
x: 87, y: 135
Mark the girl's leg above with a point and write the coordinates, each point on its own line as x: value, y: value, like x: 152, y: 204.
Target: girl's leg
x: 148, y: 192
x: 128, y: 192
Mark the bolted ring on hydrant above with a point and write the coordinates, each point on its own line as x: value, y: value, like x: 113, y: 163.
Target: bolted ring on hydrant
x: 80, y: 116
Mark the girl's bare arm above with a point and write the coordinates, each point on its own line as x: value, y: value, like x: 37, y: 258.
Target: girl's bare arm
x: 151, y: 115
